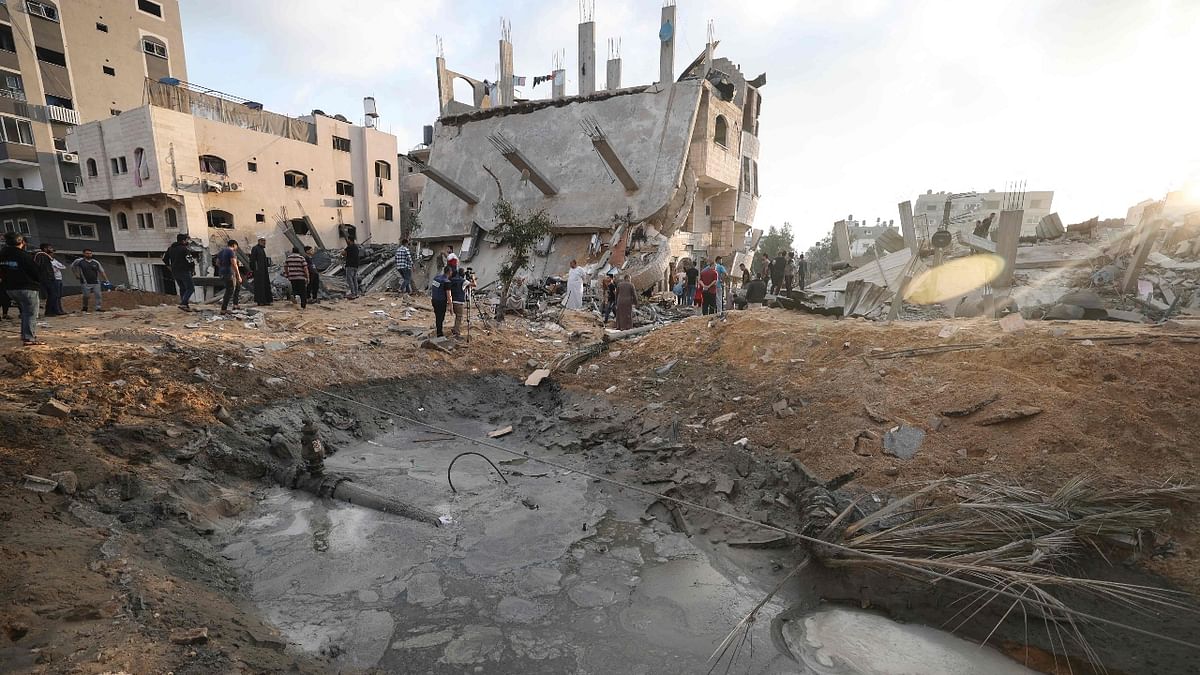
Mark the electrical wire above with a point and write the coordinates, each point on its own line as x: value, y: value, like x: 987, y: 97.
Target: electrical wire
x: 748, y: 521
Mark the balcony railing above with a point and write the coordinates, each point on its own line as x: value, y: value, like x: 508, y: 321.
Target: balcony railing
x: 18, y: 152
x: 57, y: 113
x: 22, y: 196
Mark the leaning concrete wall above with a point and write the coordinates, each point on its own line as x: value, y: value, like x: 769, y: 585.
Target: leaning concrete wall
x: 649, y: 130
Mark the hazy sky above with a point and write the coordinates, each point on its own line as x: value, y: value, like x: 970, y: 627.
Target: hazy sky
x: 867, y: 102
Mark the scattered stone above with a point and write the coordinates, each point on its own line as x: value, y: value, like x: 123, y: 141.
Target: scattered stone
x: 433, y: 639
x: 972, y: 452
x: 1061, y: 312
x: 742, y: 442
x: 67, y: 481
x: 520, y: 610
x: 531, y: 363
x: 275, y: 382
x: 425, y: 588
x: 476, y: 645
x: 611, y: 389
x: 275, y: 346
x: 876, y: 416
x: 722, y: 419
x: 497, y: 433
x: 947, y: 331
x: 1010, y: 415
x: 55, y: 408
x: 591, y: 595
x: 440, y: 344
x: 937, y: 423
x: 39, y: 484
x: 664, y: 369
x: 866, y: 443
x: 535, y: 378
x: 1088, y: 300
x: 903, y: 441
x: 1131, y: 317
x: 891, y: 471
x: 973, y: 408
x: 192, y: 636
x: 1013, y: 323
x: 725, y: 486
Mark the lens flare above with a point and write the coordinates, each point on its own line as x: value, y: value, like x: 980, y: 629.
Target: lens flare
x: 954, y: 279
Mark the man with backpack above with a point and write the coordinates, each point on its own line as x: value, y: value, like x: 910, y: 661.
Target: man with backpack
x: 20, y: 279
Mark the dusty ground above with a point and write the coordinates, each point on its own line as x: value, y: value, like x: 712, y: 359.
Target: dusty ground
x: 140, y: 382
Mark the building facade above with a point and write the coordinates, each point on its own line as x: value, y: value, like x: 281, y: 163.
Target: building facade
x: 64, y: 63
x: 216, y: 167
x: 967, y: 207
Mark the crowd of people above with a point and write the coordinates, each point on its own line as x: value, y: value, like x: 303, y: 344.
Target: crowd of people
x: 26, y: 277
x: 708, y: 284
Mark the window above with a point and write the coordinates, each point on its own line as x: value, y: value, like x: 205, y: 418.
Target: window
x: 41, y: 9
x: 172, y: 218
x: 145, y: 221
x: 122, y: 221
x: 119, y: 165
x: 295, y: 179
x: 21, y: 226
x: 252, y: 167
x: 16, y: 130
x: 6, y: 39
x: 299, y: 226
x: 385, y: 212
x: 60, y: 144
x: 150, y: 7
x: 410, y: 168
x: 70, y: 187
x: 212, y: 164
x: 154, y: 48
x: 345, y: 188
x: 51, y: 56
x: 747, y: 179
x: 342, y: 144
x: 59, y: 101
x: 114, y: 112
x: 754, y: 164
x: 260, y: 217
x: 91, y: 168
x: 102, y: 27
x: 931, y: 207
x: 383, y: 170
x: 220, y: 219
x: 721, y: 134
x: 109, y: 70
x: 81, y: 231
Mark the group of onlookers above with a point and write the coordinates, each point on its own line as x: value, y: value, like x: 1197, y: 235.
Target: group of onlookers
x: 25, y: 277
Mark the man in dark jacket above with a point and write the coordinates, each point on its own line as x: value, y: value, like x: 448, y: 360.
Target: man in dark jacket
x: 20, y: 279
x: 260, y: 267
x: 353, y: 260
x: 51, y: 288
x: 801, y: 269
x: 179, y: 260
x: 778, y: 271
x: 314, y: 277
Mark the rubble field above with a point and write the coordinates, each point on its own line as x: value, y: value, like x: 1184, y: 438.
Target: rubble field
x: 154, y: 554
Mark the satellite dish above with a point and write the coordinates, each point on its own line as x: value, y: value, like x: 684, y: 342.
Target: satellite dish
x: 666, y: 32
x: 940, y: 239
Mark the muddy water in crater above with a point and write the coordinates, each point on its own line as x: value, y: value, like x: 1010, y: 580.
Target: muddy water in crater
x: 577, y: 585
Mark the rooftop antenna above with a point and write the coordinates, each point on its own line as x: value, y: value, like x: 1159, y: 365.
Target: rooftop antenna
x: 587, y: 10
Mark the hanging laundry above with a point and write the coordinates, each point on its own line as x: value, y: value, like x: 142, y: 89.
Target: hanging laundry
x: 539, y: 79
x: 518, y: 81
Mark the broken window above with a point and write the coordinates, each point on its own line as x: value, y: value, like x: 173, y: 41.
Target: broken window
x: 299, y: 226
x: 747, y: 184
x: 721, y: 135
x: 150, y: 7
x: 220, y: 219
x: 383, y: 170
x: 212, y: 164
x: 345, y: 188
x: 342, y: 144
x: 295, y: 179
x: 42, y: 9
x: 119, y: 165
x: 385, y: 211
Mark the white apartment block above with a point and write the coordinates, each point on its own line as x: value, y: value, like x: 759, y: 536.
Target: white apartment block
x: 216, y: 168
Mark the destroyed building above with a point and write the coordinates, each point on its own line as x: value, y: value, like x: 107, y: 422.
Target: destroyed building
x: 968, y: 207
x: 218, y: 167
x: 634, y: 178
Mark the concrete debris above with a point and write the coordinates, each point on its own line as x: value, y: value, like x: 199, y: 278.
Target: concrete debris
x: 947, y: 332
x: 1009, y: 415
x: 1121, y: 315
x: 68, y: 482
x: 876, y: 416
x: 503, y: 431
x: 1013, y: 323
x: 722, y: 419
x: 193, y: 636
x: 535, y: 378
x: 39, y: 484
x: 440, y: 344
x: 664, y: 369
x: 903, y: 441
x: 55, y: 408
x: 742, y: 442
x: 1062, y: 312
x: 725, y: 486
x: 866, y: 443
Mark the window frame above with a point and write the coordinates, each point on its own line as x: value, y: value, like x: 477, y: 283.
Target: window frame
x: 12, y: 36
x: 387, y: 215
x: 378, y: 173
x: 38, y: 51
x: 345, y: 142
x: 109, y: 71
x: 145, y: 220
x: 139, y: 4
x: 208, y: 219
x: 119, y: 165
x: 41, y: 11
x: 73, y: 191
x: 78, y: 224
x: 122, y: 221
x: 92, y: 169
x: 289, y: 179
x: 721, y: 131
x: 252, y: 167
x: 344, y: 188
x: 207, y: 163
x: 152, y: 48
x: 171, y: 218
x: 23, y: 128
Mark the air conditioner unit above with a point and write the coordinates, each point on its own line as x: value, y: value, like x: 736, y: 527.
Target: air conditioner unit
x: 68, y: 157
x: 343, y: 202
x: 231, y: 186
x: 212, y: 185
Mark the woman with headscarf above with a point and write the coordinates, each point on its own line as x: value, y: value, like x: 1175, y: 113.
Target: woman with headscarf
x: 574, y: 298
x: 626, y: 299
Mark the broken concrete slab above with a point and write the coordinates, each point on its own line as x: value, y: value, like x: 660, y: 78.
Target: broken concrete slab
x: 722, y: 419
x: 535, y: 378
x: 192, y: 636
x: 1061, y: 312
x: 664, y: 369
x: 1122, y: 315
x: 38, y: 484
x: 725, y: 486
x: 55, y: 408
x: 1010, y: 415
x: 67, y: 481
x: 903, y: 441
x: 1013, y: 323
x: 503, y: 431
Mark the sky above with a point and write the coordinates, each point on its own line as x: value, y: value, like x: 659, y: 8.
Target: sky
x: 867, y: 103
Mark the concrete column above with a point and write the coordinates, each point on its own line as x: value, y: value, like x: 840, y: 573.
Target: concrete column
x: 558, y: 88
x: 614, y: 75
x: 504, y: 88
x: 445, y: 85
x: 907, y: 227
x: 587, y: 58
x: 841, y: 241
x: 1008, y: 236
x: 1145, y: 242
x: 666, y: 54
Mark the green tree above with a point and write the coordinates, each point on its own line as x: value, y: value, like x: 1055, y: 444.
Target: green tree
x: 520, y: 233
x: 819, y: 256
x: 770, y: 244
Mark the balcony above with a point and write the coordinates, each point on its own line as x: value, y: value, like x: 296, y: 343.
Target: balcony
x: 23, y: 197
x: 56, y: 113
x: 18, y: 153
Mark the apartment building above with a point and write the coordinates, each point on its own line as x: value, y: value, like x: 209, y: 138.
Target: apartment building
x: 218, y: 167
x: 65, y: 63
x: 967, y: 207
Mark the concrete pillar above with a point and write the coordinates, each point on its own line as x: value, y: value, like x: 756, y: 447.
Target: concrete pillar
x: 666, y: 54
x: 1008, y: 236
x: 558, y: 88
x: 614, y: 75
x: 504, y: 88
x: 841, y: 241
x: 445, y: 85
x: 907, y: 227
x: 587, y: 58
x: 1145, y: 243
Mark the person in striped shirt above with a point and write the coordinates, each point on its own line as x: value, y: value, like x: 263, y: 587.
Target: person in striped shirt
x: 404, y: 265
x: 295, y: 270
